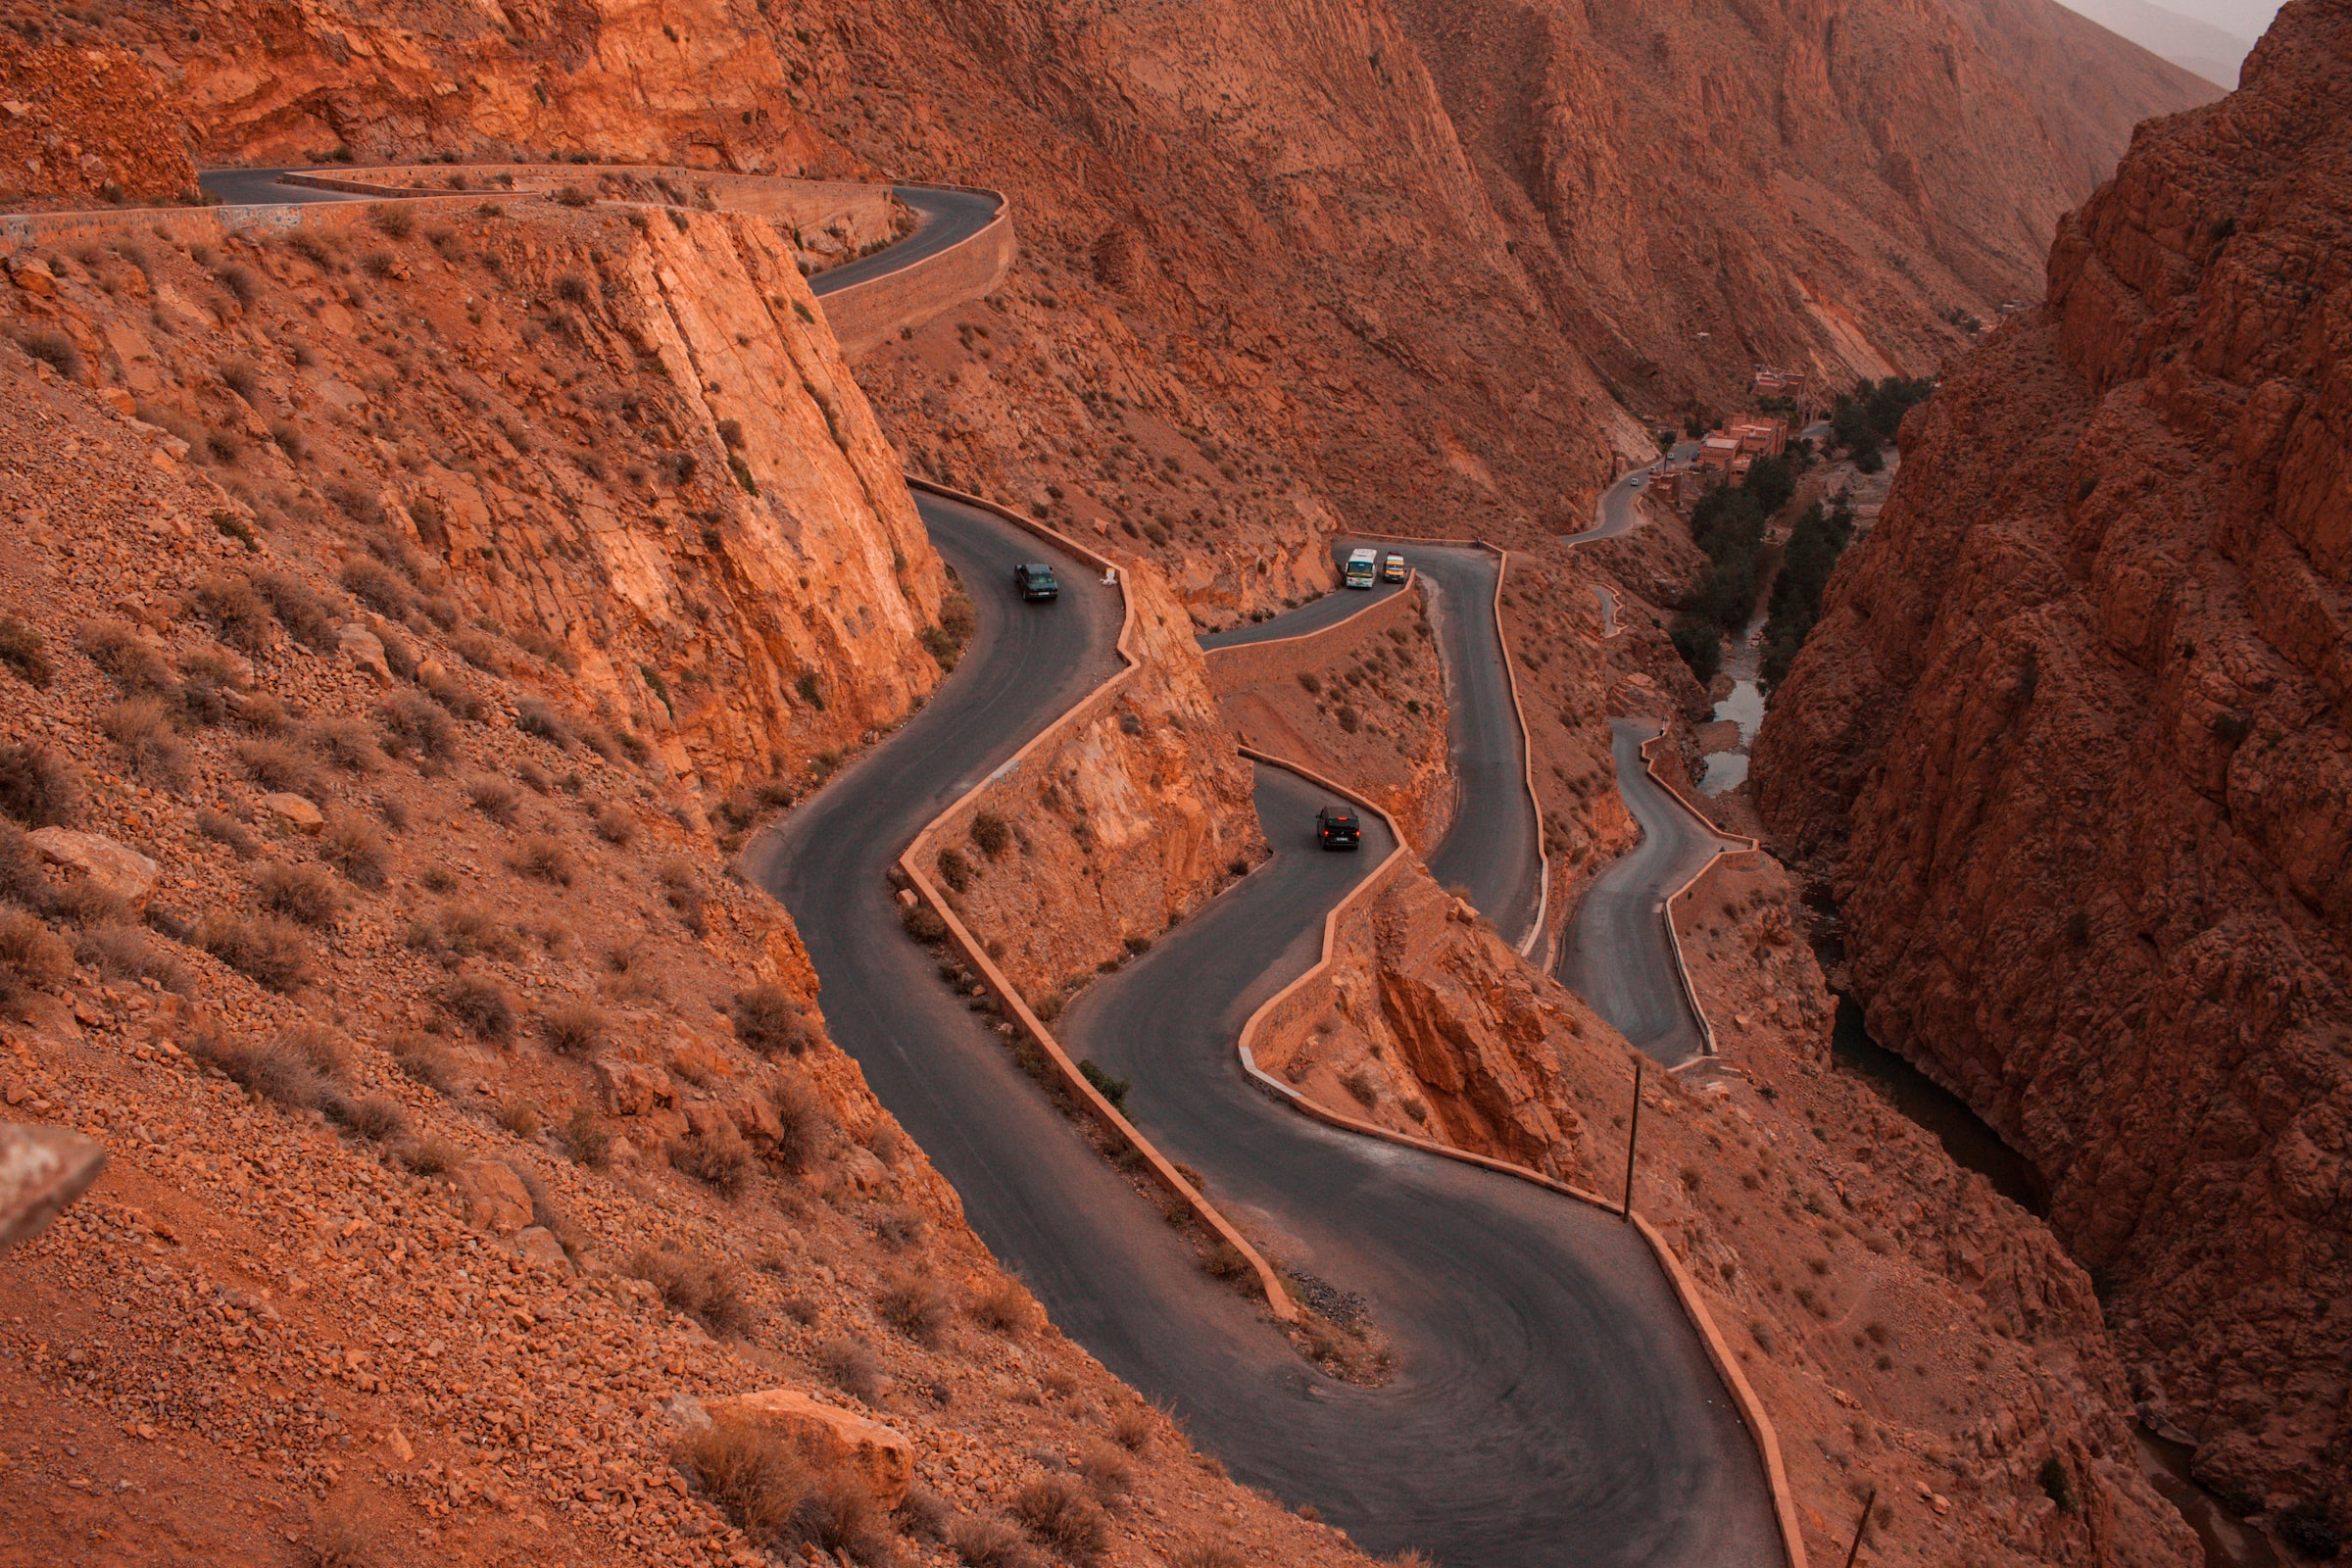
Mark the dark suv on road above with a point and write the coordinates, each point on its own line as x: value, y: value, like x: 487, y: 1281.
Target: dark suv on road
x: 1034, y: 579
x: 1336, y: 828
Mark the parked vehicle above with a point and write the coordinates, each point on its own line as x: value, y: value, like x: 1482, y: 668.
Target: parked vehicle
x: 1364, y: 568
x: 1336, y: 828
x: 1034, y: 579
x: 1392, y: 567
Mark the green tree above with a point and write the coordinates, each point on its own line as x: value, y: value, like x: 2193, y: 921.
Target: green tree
x: 1700, y: 643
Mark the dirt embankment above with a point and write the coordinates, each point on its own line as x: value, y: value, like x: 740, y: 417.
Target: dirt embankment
x: 2098, y: 639
x: 1117, y: 827
x: 1906, y: 1328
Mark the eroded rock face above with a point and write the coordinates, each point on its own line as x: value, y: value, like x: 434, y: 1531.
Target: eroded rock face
x: 2074, y: 740
x: 1118, y: 828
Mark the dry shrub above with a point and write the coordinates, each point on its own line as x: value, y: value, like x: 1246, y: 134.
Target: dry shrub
x: 275, y: 765
x: 574, y: 1029
x: 224, y: 829
x: 803, y: 1124
x: 719, y: 1157
x: 38, y: 787
x: 278, y: 1071
x: 1359, y: 1082
x: 345, y: 742
x: 375, y: 1118
x: 298, y: 891
x: 616, y: 826
x: 494, y: 797
x: 1107, y: 1470
x: 850, y: 1367
x: 535, y: 717
x: 209, y: 688
x: 52, y: 347
x: 299, y: 610
x: 341, y: 1539
x: 543, y: 858
x: 143, y: 730
x: 262, y: 713
x: 697, y: 1287
x: 916, y: 1306
x: 483, y: 1006
x: 129, y: 661
x: 900, y: 1229
x: 352, y: 845
x: 237, y: 613
x: 1008, y: 1307
x: 375, y: 586
x: 430, y: 1156
x: 770, y: 1020
x: 454, y: 694
x: 1217, y: 1554
x: 990, y: 1543
x: 1133, y: 1429
x: 24, y: 651
x: 125, y: 953
x: 586, y: 1139
x: 268, y: 952
x: 1060, y: 1517
x: 783, y: 1496
x: 520, y: 1118
x: 32, y: 957
x: 684, y: 891
x: 460, y: 932
x: 421, y: 1056
x: 411, y: 725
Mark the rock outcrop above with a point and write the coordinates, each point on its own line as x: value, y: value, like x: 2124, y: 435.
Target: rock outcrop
x: 2073, y: 741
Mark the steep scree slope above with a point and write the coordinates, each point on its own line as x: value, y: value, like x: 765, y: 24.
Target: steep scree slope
x: 2075, y: 741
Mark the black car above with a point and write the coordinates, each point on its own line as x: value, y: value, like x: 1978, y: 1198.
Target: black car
x: 1034, y: 579
x: 1336, y: 828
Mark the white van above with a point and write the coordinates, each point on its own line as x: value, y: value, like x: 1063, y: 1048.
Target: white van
x: 1364, y: 568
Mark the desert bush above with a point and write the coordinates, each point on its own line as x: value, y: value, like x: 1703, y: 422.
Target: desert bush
x: 237, y: 613
x: 224, y: 829
x: 1133, y: 1428
x: 1359, y: 1082
x: 430, y: 1156
x: 1007, y: 1307
x: 460, y: 931
x: 683, y: 891
x: 1217, y: 1554
x: 352, y: 845
x: 461, y: 700
x: 262, y: 713
x: 716, y: 1157
x: 769, y: 1020
x: 701, y: 1289
x: 991, y: 833
x: 299, y: 891
x: 298, y: 609
x: 268, y: 952
x: 129, y: 660
x: 266, y: 1070
x: 38, y: 787
x: 850, y: 1367
x: 125, y: 953
x: 990, y: 1543
x: 923, y: 924
x: 803, y: 1126
x: 535, y: 717
x: 31, y: 956
x: 409, y: 723
x: 494, y: 797
x: 586, y: 1139
x: 1106, y: 1471
x: 1060, y: 1517
x: 422, y: 1059
x: 784, y: 1498
x: 543, y: 858
x: 375, y: 1118
x: 52, y: 347
x: 954, y: 870
x: 398, y: 222
x: 484, y: 1007
x: 345, y: 742
x: 916, y: 1306
x: 275, y: 765
x: 520, y: 1118
x: 574, y: 1029
x: 340, y: 1540
x: 24, y: 651
x: 614, y: 825
x: 208, y: 688
x: 143, y: 731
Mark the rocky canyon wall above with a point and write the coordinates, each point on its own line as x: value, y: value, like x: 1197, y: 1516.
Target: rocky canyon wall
x: 2073, y: 741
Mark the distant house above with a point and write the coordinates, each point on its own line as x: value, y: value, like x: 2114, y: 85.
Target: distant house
x: 1717, y: 449
x: 1759, y: 437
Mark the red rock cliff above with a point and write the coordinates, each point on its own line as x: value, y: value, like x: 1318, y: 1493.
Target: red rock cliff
x: 2075, y: 737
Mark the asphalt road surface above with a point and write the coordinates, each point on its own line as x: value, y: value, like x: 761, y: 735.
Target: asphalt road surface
x: 1617, y: 954
x: 1491, y: 851
x: 946, y: 217
x: 259, y: 187
x: 1550, y: 1405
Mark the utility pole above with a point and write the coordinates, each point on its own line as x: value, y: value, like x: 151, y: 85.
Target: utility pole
x: 1861, y: 1527
x: 1633, y: 1134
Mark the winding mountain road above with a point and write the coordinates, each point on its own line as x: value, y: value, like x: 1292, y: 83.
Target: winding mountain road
x: 1550, y: 1404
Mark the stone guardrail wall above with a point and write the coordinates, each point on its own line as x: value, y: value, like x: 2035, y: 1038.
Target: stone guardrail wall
x: 1008, y: 996
x: 1285, y: 657
x: 1305, y: 999
x: 865, y: 315
x: 185, y: 223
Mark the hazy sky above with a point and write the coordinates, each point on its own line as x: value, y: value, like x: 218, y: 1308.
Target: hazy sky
x: 2248, y: 19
